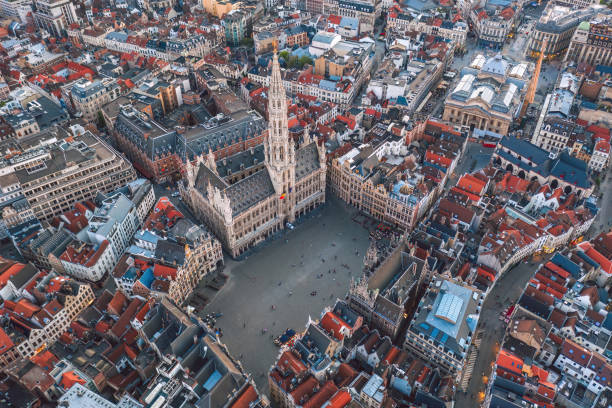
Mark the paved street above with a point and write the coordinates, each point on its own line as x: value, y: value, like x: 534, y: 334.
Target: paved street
x: 506, y: 292
x: 253, y: 286
x: 604, y: 216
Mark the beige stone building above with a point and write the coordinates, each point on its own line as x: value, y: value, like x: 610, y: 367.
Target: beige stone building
x: 244, y: 212
x: 82, y: 296
x: 89, y: 97
x: 380, y: 191
x: 54, y: 177
x: 489, y: 95
x: 45, y: 319
x: 592, y: 41
x: 220, y: 8
x: 556, y: 26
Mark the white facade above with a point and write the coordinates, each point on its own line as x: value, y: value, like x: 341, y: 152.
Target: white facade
x: 599, y: 158
x: 54, y: 16
x: 82, y: 270
x: 117, y: 222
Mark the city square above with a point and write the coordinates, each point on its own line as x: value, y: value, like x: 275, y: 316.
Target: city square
x: 282, y: 274
x: 305, y: 204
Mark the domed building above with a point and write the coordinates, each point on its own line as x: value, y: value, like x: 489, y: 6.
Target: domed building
x: 489, y: 94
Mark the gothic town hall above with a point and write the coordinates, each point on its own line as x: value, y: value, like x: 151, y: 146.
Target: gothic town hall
x: 249, y: 196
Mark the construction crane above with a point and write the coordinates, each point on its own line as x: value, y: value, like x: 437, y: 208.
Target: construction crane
x: 533, y: 85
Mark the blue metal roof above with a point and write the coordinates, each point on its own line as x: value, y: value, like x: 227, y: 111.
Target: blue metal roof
x: 571, y: 170
x: 147, y: 278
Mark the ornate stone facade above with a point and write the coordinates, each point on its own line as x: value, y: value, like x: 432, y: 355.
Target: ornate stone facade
x: 245, y: 211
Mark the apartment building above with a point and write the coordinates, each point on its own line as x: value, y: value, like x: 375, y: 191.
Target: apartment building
x: 576, y: 4
x: 15, y: 8
x: 23, y: 123
x: 601, y: 156
x: 556, y: 26
x: 141, y: 193
x: 89, y: 97
x: 400, y: 22
x: 556, y: 133
x: 87, y: 261
x: 54, y: 16
x: 115, y: 221
x: 43, y: 321
x: 362, y: 180
x: 364, y: 11
x: 443, y: 326
x: 493, y: 23
x: 592, y: 41
x: 170, y: 256
x: 238, y: 26
x: 53, y: 177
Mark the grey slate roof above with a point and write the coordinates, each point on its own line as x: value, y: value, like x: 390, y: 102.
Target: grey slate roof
x: 307, y: 160
x: 244, y: 159
x: 204, y: 176
x: 250, y: 191
x: 170, y: 252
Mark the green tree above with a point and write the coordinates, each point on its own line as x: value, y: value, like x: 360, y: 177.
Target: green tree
x: 101, y: 123
x: 293, y: 61
x: 284, y: 55
x: 305, y: 60
x: 247, y: 42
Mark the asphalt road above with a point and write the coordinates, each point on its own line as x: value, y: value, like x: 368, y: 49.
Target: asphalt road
x: 505, y: 293
x: 603, y: 221
x: 268, y: 276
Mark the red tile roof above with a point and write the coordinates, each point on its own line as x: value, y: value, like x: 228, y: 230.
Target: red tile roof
x: 339, y: 400
x: 391, y: 355
x: 606, y: 265
x: 575, y: 352
x: 123, y: 323
x: 322, y: 396
x: 244, y: 400
x: 164, y: 271
x: 302, y: 392
x: 509, y: 362
x: 45, y: 360
x: 118, y: 303
x: 25, y: 308
x: 10, y: 272
x: 289, y: 362
x: 334, y: 325
x: 86, y: 255
x: 334, y: 19
x: 70, y: 378
x: 5, y: 342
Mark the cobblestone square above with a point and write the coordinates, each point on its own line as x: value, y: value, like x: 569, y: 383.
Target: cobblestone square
x: 284, y: 273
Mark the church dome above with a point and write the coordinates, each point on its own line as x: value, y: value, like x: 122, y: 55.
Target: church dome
x: 496, y: 65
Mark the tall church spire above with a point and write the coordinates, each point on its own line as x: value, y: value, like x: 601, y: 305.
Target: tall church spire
x: 277, y: 103
x: 279, y: 150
